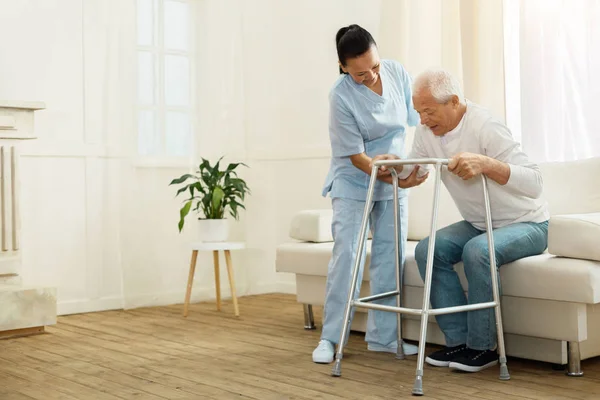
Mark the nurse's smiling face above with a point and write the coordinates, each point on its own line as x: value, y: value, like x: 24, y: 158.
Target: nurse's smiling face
x: 364, y: 69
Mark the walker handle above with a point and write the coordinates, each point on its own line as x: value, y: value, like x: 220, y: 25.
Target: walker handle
x: 441, y: 161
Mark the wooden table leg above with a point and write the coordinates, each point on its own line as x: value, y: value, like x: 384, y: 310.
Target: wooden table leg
x: 217, y: 278
x: 188, y: 292
x: 231, y: 282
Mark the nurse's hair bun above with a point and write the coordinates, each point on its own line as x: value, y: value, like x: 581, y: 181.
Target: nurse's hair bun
x: 352, y: 41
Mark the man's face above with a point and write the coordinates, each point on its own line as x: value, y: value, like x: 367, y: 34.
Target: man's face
x: 364, y: 69
x: 441, y: 118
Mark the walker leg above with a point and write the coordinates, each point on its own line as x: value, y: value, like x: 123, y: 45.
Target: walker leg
x: 418, y: 386
x: 504, y: 374
x: 399, y: 267
x: 337, y: 366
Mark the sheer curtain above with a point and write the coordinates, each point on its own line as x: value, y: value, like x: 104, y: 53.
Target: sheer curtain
x: 552, y: 77
x: 462, y: 36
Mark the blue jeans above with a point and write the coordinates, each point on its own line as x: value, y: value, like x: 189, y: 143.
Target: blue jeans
x: 347, y: 216
x: 463, y: 242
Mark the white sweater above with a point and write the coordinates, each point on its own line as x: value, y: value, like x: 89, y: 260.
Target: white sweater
x: 478, y: 132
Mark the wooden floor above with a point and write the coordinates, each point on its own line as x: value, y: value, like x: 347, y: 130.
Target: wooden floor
x: 154, y: 353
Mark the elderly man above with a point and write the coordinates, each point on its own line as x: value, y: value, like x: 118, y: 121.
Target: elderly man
x: 476, y: 143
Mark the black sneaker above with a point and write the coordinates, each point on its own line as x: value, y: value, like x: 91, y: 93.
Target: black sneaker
x: 443, y: 357
x: 475, y: 360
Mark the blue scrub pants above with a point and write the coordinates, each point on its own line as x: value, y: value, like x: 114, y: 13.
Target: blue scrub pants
x: 347, y: 217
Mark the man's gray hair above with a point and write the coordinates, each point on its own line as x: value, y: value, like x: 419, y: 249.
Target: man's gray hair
x: 441, y: 84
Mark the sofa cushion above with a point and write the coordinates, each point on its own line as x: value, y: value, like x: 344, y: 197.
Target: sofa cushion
x: 313, y: 226
x: 544, y: 276
x: 575, y: 236
x: 569, y: 186
x: 540, y: 277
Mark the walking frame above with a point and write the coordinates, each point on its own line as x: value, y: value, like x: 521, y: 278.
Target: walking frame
x: 425, y: 312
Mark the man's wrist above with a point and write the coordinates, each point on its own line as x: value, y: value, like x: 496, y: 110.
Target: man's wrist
x: 488, y: 165
x: 496, y: 170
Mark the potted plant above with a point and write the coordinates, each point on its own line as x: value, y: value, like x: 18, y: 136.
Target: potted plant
x: 212, y: 192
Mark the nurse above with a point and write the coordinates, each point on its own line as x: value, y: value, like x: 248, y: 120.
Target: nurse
x: 370, y: 109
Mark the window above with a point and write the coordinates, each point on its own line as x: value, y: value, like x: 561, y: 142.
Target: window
x: 164, y: 95
x: 552, y: 50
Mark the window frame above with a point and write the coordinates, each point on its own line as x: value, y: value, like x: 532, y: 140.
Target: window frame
x: 159, y: 108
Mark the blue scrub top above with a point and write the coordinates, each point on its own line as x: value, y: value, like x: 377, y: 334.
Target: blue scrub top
x: 362, y: 121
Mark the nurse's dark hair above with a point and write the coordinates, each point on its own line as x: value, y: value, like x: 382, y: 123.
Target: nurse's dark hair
x: 352, y: 41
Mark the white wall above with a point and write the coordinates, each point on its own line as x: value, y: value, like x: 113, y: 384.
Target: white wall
x: 101, y: 225
x: 290, y: 64
x: 66, y: 193
x: 265, y: 71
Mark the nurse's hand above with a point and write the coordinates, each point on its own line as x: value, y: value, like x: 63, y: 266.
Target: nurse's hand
x: 413, y: 179
x: 383, y: 170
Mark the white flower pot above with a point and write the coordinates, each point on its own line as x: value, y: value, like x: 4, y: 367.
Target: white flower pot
x: 213, y: 230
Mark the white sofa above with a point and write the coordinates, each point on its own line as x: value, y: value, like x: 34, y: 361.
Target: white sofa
x: 550, y: 302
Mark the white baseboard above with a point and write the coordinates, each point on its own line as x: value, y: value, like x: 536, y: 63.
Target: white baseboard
x: 178, y: 297
x: 88, y: 305
x: 207, y: 294
x: 168, y: 298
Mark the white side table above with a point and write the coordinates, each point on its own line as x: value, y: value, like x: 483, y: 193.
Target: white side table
x: 226, y: 247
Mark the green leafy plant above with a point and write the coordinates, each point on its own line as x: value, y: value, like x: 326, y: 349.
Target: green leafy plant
x: 212, y: 191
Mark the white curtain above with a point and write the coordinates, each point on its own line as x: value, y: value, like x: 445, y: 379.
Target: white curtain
x: 553, y: 80
x: 462, y: 36
x: 110, y: 63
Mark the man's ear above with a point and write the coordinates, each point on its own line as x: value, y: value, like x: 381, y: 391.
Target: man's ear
x: 455, y: 100
x: 342, y: 67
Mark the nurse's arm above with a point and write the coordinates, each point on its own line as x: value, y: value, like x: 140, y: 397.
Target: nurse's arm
x: 363, y: 162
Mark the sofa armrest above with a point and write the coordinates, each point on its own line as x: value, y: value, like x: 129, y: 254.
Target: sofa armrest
x: 575, y: 236
x: 314, y: 226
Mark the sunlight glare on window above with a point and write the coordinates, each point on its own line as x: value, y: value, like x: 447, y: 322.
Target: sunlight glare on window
x: 178, y: 141
x: 176, y: 25
x: 145, y: 22
x: 165, y: 64
x: 146, y: 78
x: 177, y: 82
x: 148, y: 136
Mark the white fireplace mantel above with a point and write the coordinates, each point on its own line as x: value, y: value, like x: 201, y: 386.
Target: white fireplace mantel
x: 27, y: 105
x: 16, y: 119
x: 23, y: 309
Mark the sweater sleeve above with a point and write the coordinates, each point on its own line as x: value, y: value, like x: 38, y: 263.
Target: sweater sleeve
x: 525, y: 176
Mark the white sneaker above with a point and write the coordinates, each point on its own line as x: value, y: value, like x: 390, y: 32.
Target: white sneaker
x: 323, y: 354
x: 409, y: 349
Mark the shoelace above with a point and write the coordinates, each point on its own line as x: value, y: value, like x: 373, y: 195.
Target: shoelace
x: 479, y: 354
x: 456, y: 350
